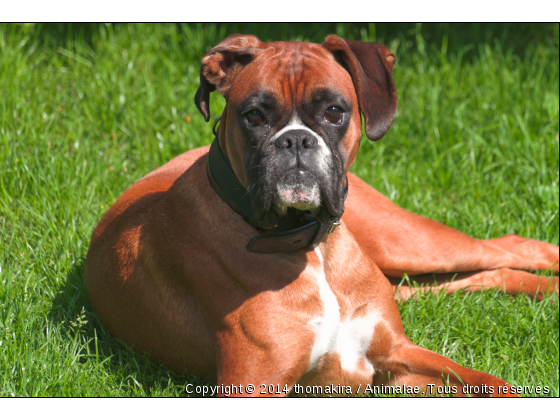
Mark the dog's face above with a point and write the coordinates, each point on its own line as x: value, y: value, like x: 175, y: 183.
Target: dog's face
x: 292, y: 125
x: 293, y: 119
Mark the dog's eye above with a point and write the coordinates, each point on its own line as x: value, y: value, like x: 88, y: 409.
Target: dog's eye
x: 255, y: 118
x: 333, y: 115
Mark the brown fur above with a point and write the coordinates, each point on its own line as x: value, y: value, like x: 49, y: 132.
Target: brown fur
x: 167, y: 270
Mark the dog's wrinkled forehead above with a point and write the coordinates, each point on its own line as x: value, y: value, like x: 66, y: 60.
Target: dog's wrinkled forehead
x: 292, y: 73
x: 240, y: 65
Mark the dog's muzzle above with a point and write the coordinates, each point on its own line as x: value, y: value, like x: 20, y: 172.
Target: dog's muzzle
x: 307, y: 231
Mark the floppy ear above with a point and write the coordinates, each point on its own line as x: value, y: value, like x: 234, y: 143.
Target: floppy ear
x: 221, y: 65
x: 370, y: 65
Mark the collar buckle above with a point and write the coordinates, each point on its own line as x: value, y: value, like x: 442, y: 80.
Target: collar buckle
x: 215, y: 125
x: 335, y: 224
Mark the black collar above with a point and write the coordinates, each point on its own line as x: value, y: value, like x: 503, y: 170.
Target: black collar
x: 295, y: 230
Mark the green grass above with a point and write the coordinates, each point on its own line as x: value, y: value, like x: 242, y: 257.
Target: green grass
x: 86, y: 111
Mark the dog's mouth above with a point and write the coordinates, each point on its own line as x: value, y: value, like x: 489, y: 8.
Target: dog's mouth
x: 283, y: 187
x: 301, y: 196
x: 294, y: 194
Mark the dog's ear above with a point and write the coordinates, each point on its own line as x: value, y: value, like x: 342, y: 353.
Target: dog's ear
x: 370, y: 65
x: 221, y: 65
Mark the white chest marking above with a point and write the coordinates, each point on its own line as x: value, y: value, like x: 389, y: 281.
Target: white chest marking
x: 354, y: 339
x: 349, y: 339
x: 326, y: 326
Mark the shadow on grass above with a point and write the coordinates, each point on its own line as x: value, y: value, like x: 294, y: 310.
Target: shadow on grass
x: 449, y: 37
x: 135, y: 374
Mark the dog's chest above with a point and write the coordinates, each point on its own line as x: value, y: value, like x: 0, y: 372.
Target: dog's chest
x: 348, y: 339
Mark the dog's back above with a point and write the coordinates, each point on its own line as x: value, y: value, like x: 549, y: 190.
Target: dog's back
x: 122, y: 286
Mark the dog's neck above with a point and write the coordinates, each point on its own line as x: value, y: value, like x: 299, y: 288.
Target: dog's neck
x: 297, y: 229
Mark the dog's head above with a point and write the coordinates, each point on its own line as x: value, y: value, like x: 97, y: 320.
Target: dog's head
x: 291, y: 127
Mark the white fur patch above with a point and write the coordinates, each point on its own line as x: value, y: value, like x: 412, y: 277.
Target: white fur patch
x: 326, y: 326
x: 349, y: 339
x: 298, y: 197
x: 353, y: 340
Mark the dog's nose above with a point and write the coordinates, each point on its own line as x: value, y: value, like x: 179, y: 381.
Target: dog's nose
x: 296, y: 141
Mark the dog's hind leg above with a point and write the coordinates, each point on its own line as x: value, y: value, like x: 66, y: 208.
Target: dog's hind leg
x: 402, y: 242
x: 509, y: 280
x: 534, y: 255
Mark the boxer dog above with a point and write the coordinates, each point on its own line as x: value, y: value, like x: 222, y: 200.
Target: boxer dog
x: 233, y: 262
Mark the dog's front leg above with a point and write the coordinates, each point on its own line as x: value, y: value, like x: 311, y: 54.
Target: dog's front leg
x: 411, y: 365
x: 261, y: 360
x: 397, y: 361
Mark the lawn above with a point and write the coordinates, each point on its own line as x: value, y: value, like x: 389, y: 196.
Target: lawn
x: 86, y: 110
